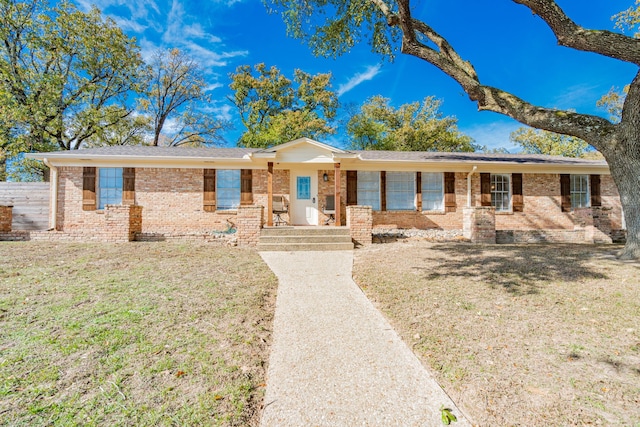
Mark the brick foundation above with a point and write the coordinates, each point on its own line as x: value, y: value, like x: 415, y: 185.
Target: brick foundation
x: 360, y: 222
x: 479, y: 224
x: 249, y: 222
x: 6, y: 218
x: 595, y: 222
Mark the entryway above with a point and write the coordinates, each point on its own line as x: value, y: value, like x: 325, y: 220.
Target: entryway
x: 303, y: 206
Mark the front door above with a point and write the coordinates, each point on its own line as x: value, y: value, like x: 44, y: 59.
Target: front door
x: 303, y: 206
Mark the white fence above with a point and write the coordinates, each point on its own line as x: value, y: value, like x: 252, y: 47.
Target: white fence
x: 30, y: 201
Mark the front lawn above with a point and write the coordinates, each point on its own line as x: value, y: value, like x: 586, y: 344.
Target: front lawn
x: 531, y: 335
x: 133, y: 334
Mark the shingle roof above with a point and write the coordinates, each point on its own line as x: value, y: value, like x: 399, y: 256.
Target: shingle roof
x: 422, y: 156
x: 399, y: 156
x: 150, y: 151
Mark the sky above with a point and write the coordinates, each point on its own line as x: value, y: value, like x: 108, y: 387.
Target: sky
x: 509, y: 47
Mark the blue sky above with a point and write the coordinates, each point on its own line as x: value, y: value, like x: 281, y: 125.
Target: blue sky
x: 509, y: 47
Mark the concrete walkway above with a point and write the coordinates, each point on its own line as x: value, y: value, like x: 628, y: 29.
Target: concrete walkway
x: 335, y: 361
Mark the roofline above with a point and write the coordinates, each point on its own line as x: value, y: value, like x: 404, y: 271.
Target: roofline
x: 57, y: 154
x: 322, y: 145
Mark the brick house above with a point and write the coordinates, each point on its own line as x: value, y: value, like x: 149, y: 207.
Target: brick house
x: 143, y: 193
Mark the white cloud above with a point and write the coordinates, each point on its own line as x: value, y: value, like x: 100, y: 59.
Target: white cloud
x: 196, y: 31
x: 212, y: 87
x: 493, y: 135
x: 129, y: 24
x: 208, y: 58
x: 358, y: 78
x: 223, y: 112
x: 579, y: 96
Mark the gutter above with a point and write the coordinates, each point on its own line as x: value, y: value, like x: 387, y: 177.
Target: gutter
x: 469, y: 185
x: 53, y: 206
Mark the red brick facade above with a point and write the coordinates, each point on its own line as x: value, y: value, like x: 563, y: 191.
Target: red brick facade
x: 6, y: 218
x: 169, y: 202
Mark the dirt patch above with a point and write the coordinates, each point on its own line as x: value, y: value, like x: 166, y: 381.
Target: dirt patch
x: 517, y: 335
x: 133, y: 334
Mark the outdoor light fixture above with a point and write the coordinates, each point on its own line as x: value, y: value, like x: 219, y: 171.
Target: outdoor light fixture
x: 325, y: 177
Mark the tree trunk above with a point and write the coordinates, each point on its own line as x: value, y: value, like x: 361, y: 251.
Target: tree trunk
x: 625, y: 171
x: 3, y: 168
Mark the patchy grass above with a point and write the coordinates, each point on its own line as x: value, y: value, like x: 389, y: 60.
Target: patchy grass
x: 517, y: 335
x: 133, y: 334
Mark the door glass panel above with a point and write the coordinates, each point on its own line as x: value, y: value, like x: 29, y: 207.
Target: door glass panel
x: 304, y: 187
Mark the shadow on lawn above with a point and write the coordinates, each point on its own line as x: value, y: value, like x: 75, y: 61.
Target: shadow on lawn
x: 517, y: 269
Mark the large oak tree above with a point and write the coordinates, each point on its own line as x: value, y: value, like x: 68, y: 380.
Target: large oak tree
x: 64, y: 76
x: 332, y: 27
x: 411, y: 127
x: 275, y: 109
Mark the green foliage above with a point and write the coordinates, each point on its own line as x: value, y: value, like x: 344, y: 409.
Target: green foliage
x: 447, y: 416
x: 64, y: 75
x: 175, y: 90
x: 275, y: 109
x: 629, y: 19
x: 411, y: 127
x: 535, y: 141
x: 613, y: 102
x: 345, y: 24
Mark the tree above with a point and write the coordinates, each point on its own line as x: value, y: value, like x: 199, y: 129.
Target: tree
x: 536, y: 141
x: 385, y: 23
x: 66, y: 74
x: 411, y: 127
x: 275, y: 111
x: 176, y: 90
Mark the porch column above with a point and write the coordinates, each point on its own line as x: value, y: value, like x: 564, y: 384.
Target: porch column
x: 336, y: 167
x: 270, y: 194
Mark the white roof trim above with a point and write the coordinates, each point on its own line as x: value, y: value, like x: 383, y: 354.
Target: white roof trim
x: 299, y: 141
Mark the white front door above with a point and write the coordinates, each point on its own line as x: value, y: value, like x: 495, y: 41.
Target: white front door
x: 303, y: 206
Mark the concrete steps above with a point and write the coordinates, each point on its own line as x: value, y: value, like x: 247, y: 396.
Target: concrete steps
x: 305, y: 239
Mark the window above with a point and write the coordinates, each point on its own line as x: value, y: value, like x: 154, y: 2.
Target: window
x: 303, y: 184
x: 227, y: 189
x: 369, y: 189
x: 432, y: 191
x: 500, y: 192
x: 579, y: 191
x: 109, y: 187
x: 401, y: 191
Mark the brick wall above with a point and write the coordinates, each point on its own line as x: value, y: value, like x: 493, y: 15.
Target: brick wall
x: 172, y: 201
x: 250, y: 221
x: 359, y: 219
x: 479, y: 224
x: 6, y: 218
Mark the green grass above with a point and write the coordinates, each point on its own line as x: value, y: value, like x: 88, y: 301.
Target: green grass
x: 132, y: 334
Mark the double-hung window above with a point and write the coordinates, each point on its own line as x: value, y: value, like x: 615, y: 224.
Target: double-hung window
x: 433, y: 191
x: 501, y: 192
x: 401, y: 191
x: 227, y: 189
x: 369, y: 189
x: 579, y: 191
x: 109, y: 187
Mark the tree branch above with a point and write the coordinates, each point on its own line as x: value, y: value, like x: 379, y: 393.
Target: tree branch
x: 588, y: 127
x: 570, y: 34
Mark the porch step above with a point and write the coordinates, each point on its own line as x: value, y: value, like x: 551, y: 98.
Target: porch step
x: 305, y: 239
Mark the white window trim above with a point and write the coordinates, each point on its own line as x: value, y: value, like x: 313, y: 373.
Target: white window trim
x: 509, y: 208
x: 441, y: 191
x: 379, y: 208
x: 587, y: 190
x: 414, y: 192
x: 98, y: 188
x: 228, y: 209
